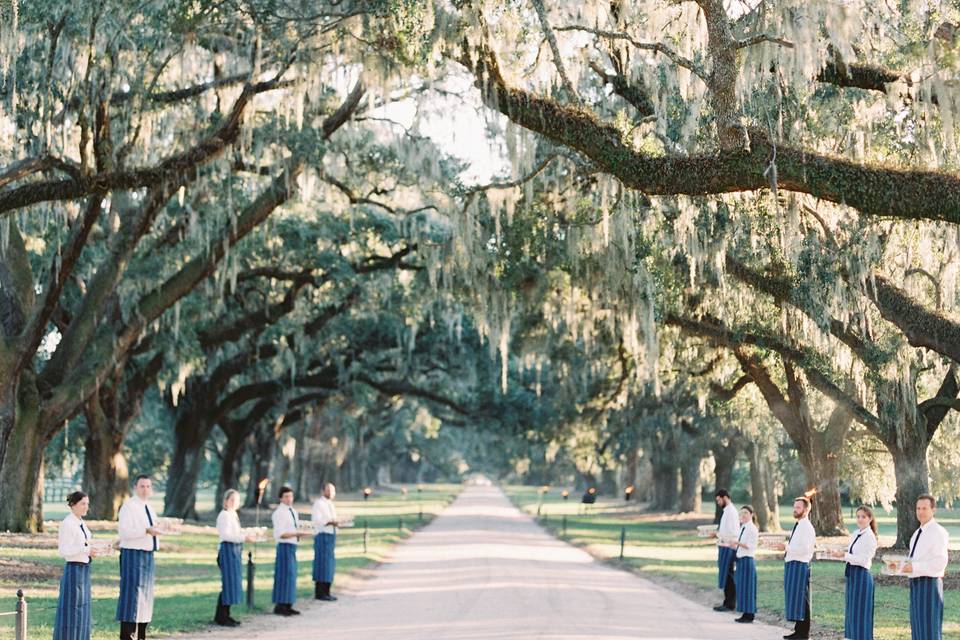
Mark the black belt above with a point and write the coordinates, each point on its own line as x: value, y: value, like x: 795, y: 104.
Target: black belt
x: 82, y: 564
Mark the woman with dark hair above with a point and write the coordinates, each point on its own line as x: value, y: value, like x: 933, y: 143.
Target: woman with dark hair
x: 746, y: 573
x: 73, y: 606
x: 858, y: 621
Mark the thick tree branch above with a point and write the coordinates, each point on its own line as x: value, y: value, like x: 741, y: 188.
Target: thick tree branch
x: 171, y: 169
x: 873, y: 190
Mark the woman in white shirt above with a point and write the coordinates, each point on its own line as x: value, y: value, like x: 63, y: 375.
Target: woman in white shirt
x: 230, y: 559
x: 746, y: 572
x: 73, y: 606
x: 858, y: 621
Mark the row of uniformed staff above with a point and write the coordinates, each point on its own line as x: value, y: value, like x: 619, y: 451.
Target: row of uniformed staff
x: 925, y: 565
x: 140, y: 540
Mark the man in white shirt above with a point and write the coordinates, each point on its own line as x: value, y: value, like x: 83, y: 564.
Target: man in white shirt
x: 926, y: 565
x: 796, y: 572
x: 325, y: 523
x: 286, y: 523
x: 727, y: 531
x: 139, y: 540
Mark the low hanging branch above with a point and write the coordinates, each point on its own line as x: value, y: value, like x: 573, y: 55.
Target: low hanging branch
x: 873, y: 190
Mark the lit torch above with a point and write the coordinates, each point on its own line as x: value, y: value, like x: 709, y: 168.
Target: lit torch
x: 261, y: 486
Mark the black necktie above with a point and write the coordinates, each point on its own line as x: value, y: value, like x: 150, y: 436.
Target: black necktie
x: 742, y: 529
x: 915, y: 541
x: 150, y: 520
x: 84, y: 532
x: 850, y: 550
x: 294, y: 516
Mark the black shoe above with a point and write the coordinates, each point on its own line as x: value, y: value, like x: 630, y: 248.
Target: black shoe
x: 327, y: 597
x: 722, y: 607
x: 318, y: 591
x: 282, y: 610
x: 233, y: 622
x: 745, y: 618
x: 291, y: 611
x: 796, y: 636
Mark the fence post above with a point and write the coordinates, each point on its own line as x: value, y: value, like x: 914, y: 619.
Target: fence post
x: 21, y: 624
x: 623, y: 539
x: 564, y: 524
x: 364, y: 536
x: 250, y: 571
x: 400, y: 525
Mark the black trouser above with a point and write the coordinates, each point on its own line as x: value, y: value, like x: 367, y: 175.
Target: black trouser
x: 802, y: 627
x: 730, y: 589
x: 133, y: 630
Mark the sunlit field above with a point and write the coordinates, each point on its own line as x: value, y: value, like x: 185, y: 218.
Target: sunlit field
x: 188, y: 581
x: 665, y: 548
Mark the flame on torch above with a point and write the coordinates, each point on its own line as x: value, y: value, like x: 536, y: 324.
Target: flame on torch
x: 810, y: 493
x: 628, y: 490
x: 261, y: 486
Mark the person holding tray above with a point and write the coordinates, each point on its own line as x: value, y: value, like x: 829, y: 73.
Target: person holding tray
x: 139, y: 541
x: 230, y: 558
x: 73, y: 621
x: 286, y: 531
x: 746, y: 573
x: 796, y: 570
x: 726, y: 555
x: 325, y: 523
x: 926, y: 565
x: 858, y: 619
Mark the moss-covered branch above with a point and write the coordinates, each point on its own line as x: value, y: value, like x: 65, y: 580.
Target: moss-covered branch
x: 873, y: 190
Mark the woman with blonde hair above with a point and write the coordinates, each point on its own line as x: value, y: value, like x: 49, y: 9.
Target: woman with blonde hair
x: 230, y: 559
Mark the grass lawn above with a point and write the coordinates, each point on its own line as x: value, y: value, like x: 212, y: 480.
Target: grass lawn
x: 665, y: 547
x: 188, y: 581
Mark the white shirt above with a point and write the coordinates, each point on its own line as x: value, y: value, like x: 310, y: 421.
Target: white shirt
x: 802, y: 542
x: 929, y: 558
x: 285, y: 520
x: 864, y: 545
x: 74, y: 539
x: 134, y: 523
x: 729, y: 527
x: 228, y: 527
x: 323, y: 512
x: 749, y: 535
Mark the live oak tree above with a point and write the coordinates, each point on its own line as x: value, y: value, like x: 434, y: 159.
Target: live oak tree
x: 128, y: 125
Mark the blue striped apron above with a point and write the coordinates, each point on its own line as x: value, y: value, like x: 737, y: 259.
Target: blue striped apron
x: 726, y: 557
x: 926, y: 608
x: 230, y: 561
x: 285, y: 574
x: 136, y: 586
x: 73, y: 621
x: 858, y: 620
x: 796, y: 584
x: 745, y: 578
x: 324, y: 561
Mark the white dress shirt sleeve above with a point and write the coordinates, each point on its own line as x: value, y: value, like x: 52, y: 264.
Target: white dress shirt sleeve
x: 930, y: 557
x: 73, y: 543
x: 322, y: 513
x: 283, y: 522
x: 863, y: 550
x: 729, y: 527
x: 802, y: 543
x: 750, y: 538
x: 228, y: 527
x: 133, y: 524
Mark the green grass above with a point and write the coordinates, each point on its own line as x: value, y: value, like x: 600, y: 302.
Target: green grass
x: 188, y: 581
x: 666, y: 548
